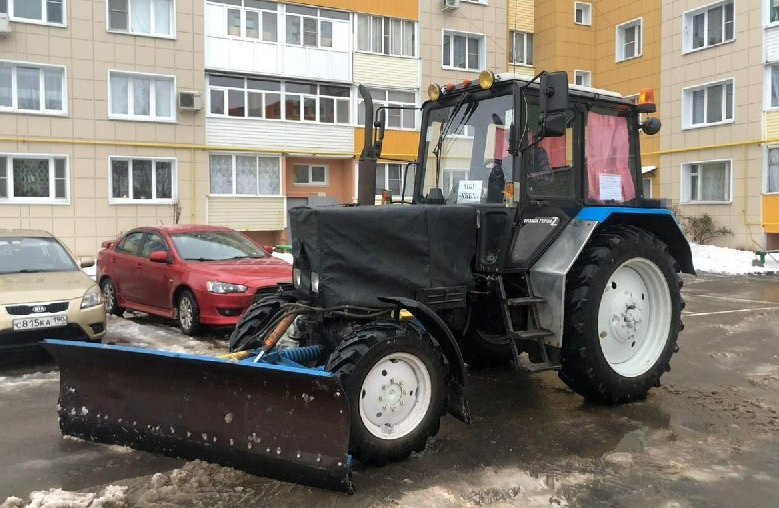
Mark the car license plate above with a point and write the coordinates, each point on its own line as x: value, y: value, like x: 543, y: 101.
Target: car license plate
x: 40, y: 322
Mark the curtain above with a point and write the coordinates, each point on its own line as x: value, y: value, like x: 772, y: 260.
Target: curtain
x: 6, y: 75
x: 714, y: 103
x: 447, y: 50
x: 142, y: 178
x: 268, y: 174
x: 608, y: 155
x: 28, y: 86
x: 164, y: 180
x: 141, y: 16
x: 141, y: 96
x: 396, y: 37
x: 246, y: 175
x: 120, y: 180
x: 293, y: 29
x: 326, y: 34
x: 269, y: 26
x: 52, y: 82
x: 473, y: 53
x: 715, y: 181
x: 363, y: 32
x: 162, y: 21
x: 715, y: 25
x: 119, y: 90
x: 698, y: 106
x: 377, y: 34
x: 409, y: 38
x: 698, y: 28
x: 31, y: 178
x: 775, y: 86
x: 772, y: 184
x: 221, y: 174
x: 163, y: 95
x: 458, y: 60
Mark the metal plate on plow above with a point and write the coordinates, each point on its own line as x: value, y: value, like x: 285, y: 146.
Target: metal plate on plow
x: 286, y: 423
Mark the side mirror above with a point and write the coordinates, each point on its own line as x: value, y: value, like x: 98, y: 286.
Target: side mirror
x: 158, y: 256
x: 406, y: 171
x: 554, y: 102
x: 86, y: 262
x: 268, y: 249
x: 651, y: 126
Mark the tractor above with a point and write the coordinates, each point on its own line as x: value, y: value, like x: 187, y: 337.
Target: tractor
x: 519, y: 236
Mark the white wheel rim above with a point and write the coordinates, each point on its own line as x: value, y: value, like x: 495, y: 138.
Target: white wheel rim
x: 395, y: 396
x: 634, y: 317
x: 185, y: 312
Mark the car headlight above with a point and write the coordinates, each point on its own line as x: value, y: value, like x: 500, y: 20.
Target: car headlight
x: 223, y: 288
x: 92, y: 298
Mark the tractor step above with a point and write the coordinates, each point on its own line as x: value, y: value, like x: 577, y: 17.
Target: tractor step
x: 532, y: 368
x: 525, y: 300
x: 536, y: 334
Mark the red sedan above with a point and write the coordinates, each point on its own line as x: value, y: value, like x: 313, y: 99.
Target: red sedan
x: 199, y: 275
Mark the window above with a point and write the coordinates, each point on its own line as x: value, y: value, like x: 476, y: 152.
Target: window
x: 582, y: 78
x: 582, y: 13
x: 245, y: 175
x: 390, y: 177
x: 709, y: 26
x: 274, y: 100
x: 704, y: 182
x: 629, y: 39
x: 154, y: 243
x: 131, y: 243
x: 773, y: 11
x: 310, y: 174
x: 251, y: 19
x: 386, y: 36
x: 142, y: 17
x: 772, y: 81
x: 32, y: 178
x: 772, y: 170
x: 521, y: 49
x: 135, y: 180
x: 309, y: 26
x: 30, y: 88
x: 396, y: 118
x: 709, y: 104
x: 463, y: 51
x: 646, y: 184
x: 144, y: 97
x: 49, y: 12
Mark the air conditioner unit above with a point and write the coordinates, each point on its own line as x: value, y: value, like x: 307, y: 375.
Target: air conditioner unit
x: 5, y: 25
x: 190, y: 101
x: 450, y: 4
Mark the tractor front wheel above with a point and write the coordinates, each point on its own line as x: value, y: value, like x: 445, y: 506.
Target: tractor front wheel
x: 623, y: 308
x: 393, y: 375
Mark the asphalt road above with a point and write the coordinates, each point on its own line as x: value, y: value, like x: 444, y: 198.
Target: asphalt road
x: 706, y: 438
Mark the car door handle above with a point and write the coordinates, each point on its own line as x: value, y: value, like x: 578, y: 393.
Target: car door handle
x: 139, y: 266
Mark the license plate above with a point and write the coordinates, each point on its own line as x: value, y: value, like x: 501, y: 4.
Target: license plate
x: 40, y: 322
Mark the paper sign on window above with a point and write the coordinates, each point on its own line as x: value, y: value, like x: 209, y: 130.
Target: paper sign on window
x: 611, y: 187
x: 469, y: 191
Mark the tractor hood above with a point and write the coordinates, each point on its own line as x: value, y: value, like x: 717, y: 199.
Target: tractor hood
x: 364, y: 252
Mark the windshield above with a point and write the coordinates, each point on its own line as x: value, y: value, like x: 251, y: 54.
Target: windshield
x: 34, y: 255
x: 215, y: 246
x: 471, y: 139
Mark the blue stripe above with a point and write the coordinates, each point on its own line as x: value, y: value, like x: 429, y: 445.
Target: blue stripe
x: 601, y: 213
x: 184, y: 356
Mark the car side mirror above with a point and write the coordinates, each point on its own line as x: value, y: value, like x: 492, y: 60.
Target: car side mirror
x: 554, y: 103
x: 159, y: 256
x: 86, y: 262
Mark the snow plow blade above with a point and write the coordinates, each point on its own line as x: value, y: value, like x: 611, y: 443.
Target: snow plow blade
x: 286, y: 423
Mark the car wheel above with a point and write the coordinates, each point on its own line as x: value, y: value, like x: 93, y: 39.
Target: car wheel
x: 188, y: 313
x: 110, y: 297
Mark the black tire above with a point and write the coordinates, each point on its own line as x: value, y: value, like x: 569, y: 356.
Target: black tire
x: 251, y: 322
x: 584, y: 366
x: 110, y: 300
x: 191, y: 327
x: 353, y: 360
x: 482, y: 350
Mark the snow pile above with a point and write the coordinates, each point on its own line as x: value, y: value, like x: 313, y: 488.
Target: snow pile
x: 195, y: 479
x: 28, y: 380
x: 151, y: 333
x: 286, y: 256
x: 709, y: 258
x: 91, y: 271
x: 111, y: 497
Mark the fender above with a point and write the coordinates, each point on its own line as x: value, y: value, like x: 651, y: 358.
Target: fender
x: 456, y: 399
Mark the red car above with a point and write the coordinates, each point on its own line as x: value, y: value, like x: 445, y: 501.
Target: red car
x: 198, y: 275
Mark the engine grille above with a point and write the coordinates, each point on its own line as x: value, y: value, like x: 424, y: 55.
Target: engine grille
x: 41, y: 308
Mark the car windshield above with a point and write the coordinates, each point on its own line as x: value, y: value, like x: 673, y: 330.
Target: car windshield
x: 215, y: 246
x: 34, y: 255
x: 466, y: 148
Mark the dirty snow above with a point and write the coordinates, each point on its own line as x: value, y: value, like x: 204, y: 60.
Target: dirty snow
x: 710, y: 258
x: 28, y: 380
x: 112, y: 496
x: 148, y: 332
x: 286, y: 256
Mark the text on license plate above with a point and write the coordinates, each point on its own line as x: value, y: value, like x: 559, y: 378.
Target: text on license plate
x: 40, y: 322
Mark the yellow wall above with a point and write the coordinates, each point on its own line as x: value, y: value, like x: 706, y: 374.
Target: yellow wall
x: 397, y: 144
x: 406, y: 9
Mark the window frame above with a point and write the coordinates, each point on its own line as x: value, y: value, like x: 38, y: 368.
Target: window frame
x: 684, y: 175
x: 582, y: 73
x: 132, y: 117
x: 586, y: 13
x: 766, y: 164
x: 386, y: 38
x: 14, y: 108
x: 512, y: 44
x: 129, y: 31
x: 467, y: 35
x: 687, y: 104
x: 386, y: 102
x: 687, y: 26
x: 133, y: 201
x: 310, y: 168
x: 234, y: 156
x: 10, y: 156
x: 302, y: 25
x: 31, y: 21
x: 619, y: 38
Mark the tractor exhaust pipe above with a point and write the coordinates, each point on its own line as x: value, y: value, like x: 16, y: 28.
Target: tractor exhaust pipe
x: 366, y: 176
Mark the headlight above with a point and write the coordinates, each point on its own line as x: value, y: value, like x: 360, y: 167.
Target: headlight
x: 92, y: 298
x: 222, y: 288
x: 314, y: 282
x: 296, y: 277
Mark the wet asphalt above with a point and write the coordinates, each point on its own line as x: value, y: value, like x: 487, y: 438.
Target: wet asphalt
x: 708, y: 437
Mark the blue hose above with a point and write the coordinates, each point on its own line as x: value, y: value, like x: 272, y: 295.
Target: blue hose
x: 302, y: 354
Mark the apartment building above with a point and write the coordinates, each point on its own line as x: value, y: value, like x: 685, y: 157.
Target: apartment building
x: 607, y: 44
x: 91, y: 139
x: 719, y: 94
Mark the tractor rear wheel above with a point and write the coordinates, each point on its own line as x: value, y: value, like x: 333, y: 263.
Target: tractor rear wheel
x: 393, y: 375
x: 623, y: 316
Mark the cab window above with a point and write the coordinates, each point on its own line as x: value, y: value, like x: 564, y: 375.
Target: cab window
x: 549, y: 164
x: 609, y: 153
